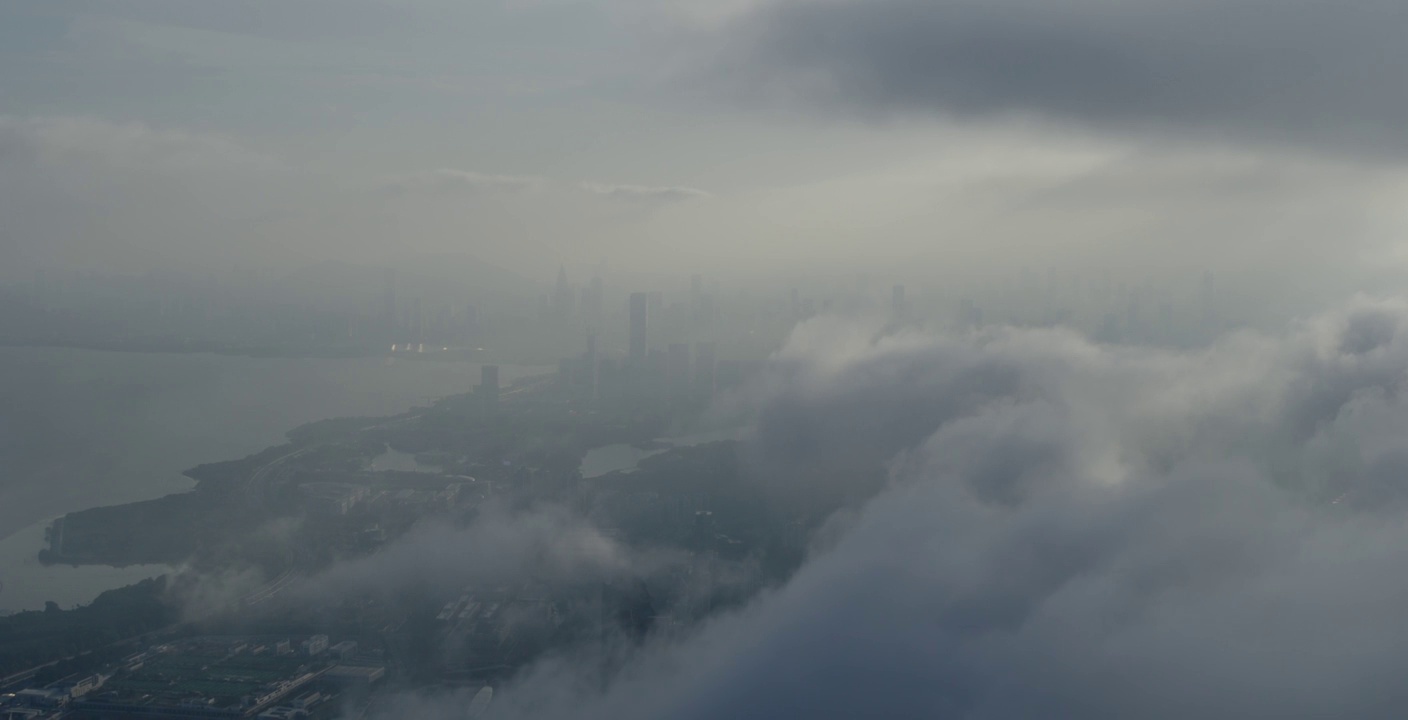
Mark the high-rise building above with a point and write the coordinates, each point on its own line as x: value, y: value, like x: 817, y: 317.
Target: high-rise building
x: 562, y: 296
x: 677, y: 378
x: 388, y: 305
x: 469, y: 324
x: 488, y: 391
x: 592, y: 368
x: 639, y: 312
x: 706, y: 309
x: 591, y: 303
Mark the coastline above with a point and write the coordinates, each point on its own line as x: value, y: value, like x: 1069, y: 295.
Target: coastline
x: 142, y: 438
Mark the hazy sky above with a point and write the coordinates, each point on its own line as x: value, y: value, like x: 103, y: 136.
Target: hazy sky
x: 939, y: 137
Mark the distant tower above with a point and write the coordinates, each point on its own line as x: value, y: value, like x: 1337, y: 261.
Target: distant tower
x: 704, y: 370
x: 593, y: 367
x: 677, y: 377
x: 639, y: 315
x: 470, y: 325
x: 489, y: 385
x: 562, y: 296
x: 590, y: 307
x: 388, y: 305
x: 898, y: 307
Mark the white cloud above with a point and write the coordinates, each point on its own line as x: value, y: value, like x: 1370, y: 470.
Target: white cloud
x: 126, y: 146
x: 1071, y: 531
x: 447, y: 180
x: 645, y: 193
x: 545, y: 544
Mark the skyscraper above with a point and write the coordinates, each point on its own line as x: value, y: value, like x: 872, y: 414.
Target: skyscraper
x: 388, y: 305
x: 677, y: 378
x: 469, y: 324
x: 639, y: 314
x: 704, y: 364
x: 591, y: 368
x: 562, y: 296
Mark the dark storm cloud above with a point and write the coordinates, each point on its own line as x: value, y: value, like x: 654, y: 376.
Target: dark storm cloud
x: 1097, y: 533
x: 1313, y: 72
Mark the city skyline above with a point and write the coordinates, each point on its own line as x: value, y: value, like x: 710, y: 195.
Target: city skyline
x: 699, y: 359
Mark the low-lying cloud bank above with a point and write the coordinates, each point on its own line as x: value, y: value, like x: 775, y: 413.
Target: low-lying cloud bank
x: 546, y: 544
x: 1071, y: 531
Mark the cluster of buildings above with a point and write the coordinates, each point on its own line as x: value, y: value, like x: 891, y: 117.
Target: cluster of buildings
x: 210, y: 678
x: 332, y: 499
x: 681, y: 373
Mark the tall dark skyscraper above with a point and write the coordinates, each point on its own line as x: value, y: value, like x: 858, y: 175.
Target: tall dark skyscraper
x: 591, y: 305
x: 639, y: 311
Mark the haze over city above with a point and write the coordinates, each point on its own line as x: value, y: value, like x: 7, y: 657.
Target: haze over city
x: 672, y: 359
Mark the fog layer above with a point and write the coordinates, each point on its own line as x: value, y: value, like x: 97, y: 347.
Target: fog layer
x: 1074, y: 531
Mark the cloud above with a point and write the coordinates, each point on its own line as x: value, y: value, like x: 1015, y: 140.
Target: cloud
x: 547, y: 544
x: 1254, y: 70
x: 128, y: 146
x: 127, y: 196
x: 1086, y: 531
x: 447, y: 181
x: 649, y: 194
x: 85, y: 193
